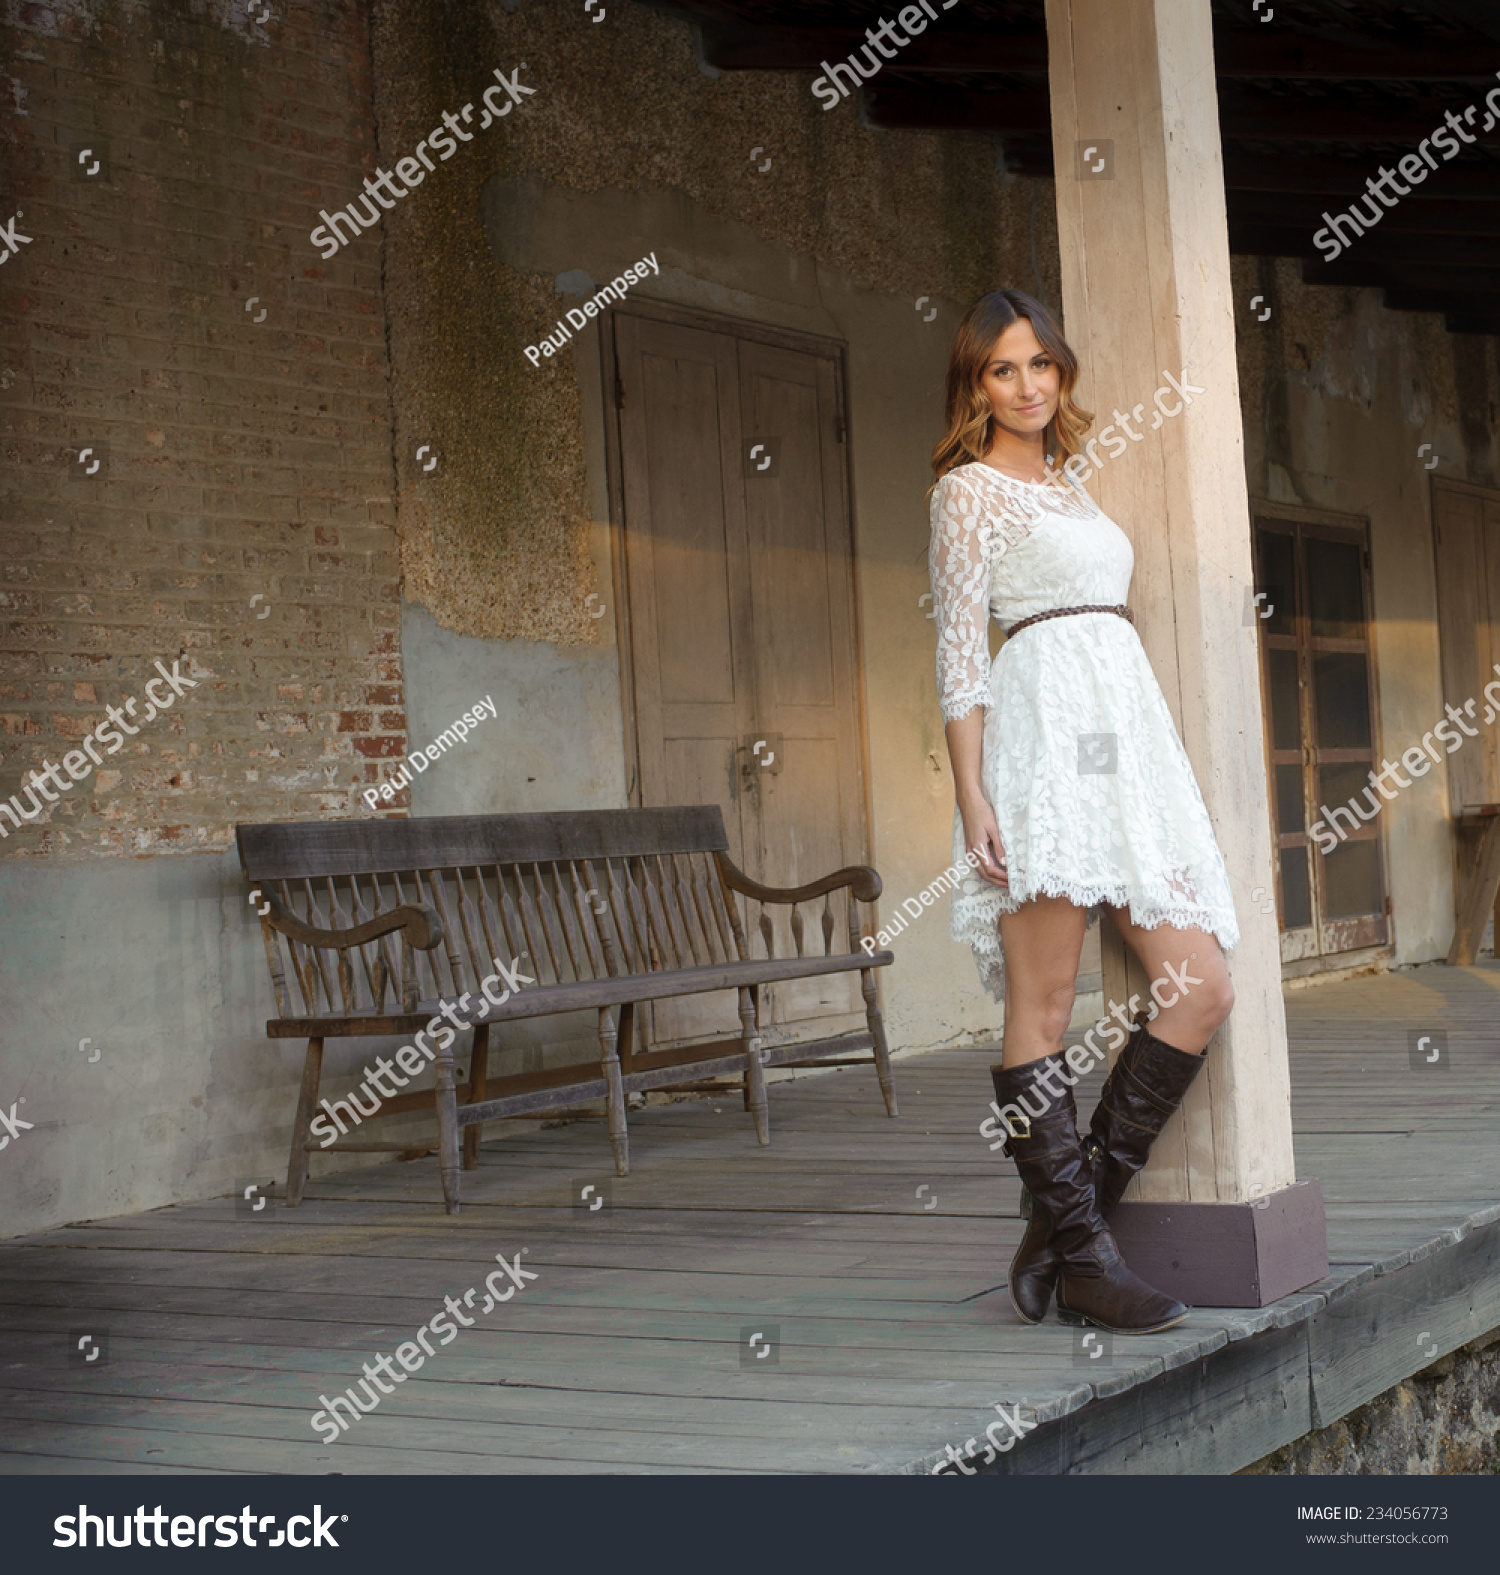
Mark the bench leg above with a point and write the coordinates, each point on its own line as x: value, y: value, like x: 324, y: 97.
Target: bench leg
x: 479, y: 1065
x: 877, y: 1033
x: 755, y: 1073
x: 307, y: 1101
x: 609, y: 1060
x: 446, y: 1100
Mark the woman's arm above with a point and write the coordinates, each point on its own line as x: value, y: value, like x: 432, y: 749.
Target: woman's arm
x: 981, y: 832
x: 963, y: 545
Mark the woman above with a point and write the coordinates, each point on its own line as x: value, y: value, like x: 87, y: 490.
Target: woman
x: 1073, y: 792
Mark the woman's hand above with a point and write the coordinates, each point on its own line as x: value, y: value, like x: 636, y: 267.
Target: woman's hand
x: 981, y: 832
x: 982, y: 837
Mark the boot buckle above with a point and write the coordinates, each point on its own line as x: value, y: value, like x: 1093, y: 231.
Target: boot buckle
x: 1008, y: 1150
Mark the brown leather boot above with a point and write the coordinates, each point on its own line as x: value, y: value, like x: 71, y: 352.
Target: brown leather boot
x: 1097, y: 1287
x: 1146, y: 1084
x: 1053, y: 1123
x: 1093, y: 1284
x: 1148, y: 1081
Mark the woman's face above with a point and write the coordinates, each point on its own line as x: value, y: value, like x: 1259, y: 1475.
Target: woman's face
x: 1021, y: 381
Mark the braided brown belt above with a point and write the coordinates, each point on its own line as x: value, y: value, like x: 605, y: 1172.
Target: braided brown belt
x: 1067, y: 612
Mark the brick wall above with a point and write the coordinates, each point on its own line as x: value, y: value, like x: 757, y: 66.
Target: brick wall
x: 239, y: 456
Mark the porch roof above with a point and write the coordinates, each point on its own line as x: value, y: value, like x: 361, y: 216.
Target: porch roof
x: 1310, y: 107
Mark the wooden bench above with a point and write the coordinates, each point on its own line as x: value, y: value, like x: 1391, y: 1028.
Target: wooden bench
x: 371, y: 926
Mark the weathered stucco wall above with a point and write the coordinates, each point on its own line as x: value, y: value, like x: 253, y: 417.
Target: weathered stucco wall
x: 1339, y: 395
x: 178, y: 1094
x: 495, y: 542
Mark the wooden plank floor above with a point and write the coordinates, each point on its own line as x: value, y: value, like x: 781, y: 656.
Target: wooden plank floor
x: 625, y: 1353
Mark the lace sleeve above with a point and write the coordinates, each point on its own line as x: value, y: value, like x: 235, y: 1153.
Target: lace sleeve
x: 964, y: 545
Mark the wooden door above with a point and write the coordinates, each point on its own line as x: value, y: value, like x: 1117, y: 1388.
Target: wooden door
x: 690, y: 622
x: 810, y: 812
x: 738, y: 559
x: 1466, y: 550
x: 1466, y: 538
x: 1317, y: 674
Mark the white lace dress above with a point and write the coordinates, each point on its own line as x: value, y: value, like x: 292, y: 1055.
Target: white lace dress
x: 1091, y: 787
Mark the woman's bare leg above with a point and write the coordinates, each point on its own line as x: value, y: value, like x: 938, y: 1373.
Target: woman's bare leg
x: 1042, y: 941
x: 1186, y: 969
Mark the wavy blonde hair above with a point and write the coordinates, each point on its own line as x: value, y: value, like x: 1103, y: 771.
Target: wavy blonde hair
x: 971, y: 418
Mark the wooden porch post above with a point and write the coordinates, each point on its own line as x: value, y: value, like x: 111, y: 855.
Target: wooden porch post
x: 1147, y: 295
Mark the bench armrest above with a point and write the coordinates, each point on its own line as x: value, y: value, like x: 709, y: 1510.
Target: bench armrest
x: 863, y: 882
x: 423, y: 927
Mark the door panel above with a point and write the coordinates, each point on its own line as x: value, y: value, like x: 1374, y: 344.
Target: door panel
x: 1466, y: 531
x: 689, y: 548
x: 739, y: 571
x: 801, y: 557
x: 699, y: 771
x: 801, y: 809
x: 690, y: 621
x: 789, y: 537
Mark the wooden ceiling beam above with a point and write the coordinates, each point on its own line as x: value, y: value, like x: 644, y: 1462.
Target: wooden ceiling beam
x: 939, y: 50
x: 1404, y: 276
x: 1473, y: 323
x: 1246, y: 112
x: 1448, y: 216
x: 1440, y: 301
x: 1277, y: 240
x: 1242, y: 52
x: 1293, y: 170
x: 899, y: 99
x: 788, y: 47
